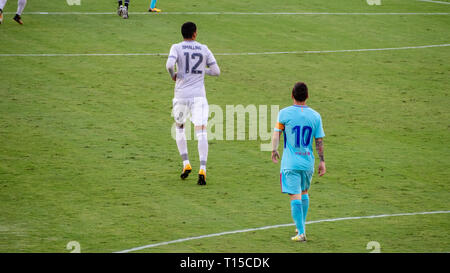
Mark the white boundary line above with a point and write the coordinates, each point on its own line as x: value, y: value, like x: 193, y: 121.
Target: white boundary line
x: 336, y: 51
x: 278, y: 226
x: 231, y: 13
x: 436, y: 2
x: 224, y: 54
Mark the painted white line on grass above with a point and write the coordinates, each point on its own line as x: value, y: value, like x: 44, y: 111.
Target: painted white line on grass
x: 222, y: 54
x: 436, y: 2
x: 230, y: 13
x: 335, y: 51
x: 277, y: 226
x: 82, y: 54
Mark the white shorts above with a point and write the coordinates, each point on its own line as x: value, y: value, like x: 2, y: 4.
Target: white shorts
x: 197, y: 109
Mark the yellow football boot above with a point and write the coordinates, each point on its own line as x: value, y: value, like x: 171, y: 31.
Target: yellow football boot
x: 186, y: 171
x: 154, y: 10
x: 202, y: 177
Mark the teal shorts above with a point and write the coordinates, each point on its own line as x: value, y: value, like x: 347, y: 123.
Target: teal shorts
x: 295, y: 181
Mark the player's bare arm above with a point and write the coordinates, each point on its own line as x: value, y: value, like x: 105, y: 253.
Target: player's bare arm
x: 275, y: 143
x: 319, y: 148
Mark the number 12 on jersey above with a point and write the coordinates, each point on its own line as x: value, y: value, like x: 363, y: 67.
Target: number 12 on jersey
x: 194, y: 56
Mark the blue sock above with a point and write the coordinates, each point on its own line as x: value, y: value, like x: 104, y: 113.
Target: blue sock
x: 152, y: 4
x: 305, y: 206
x: 297, y: 214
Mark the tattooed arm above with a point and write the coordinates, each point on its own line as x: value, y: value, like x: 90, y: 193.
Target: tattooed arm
x: 319, y: 148
x: 275, y: 142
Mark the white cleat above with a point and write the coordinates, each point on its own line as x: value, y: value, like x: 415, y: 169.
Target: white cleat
x: 125, y: 13
x: 299, y: 238
x: 120, y: 11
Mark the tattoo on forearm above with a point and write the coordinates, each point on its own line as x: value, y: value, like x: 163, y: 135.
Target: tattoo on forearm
x: 319, y: 149
x: 275, y: 141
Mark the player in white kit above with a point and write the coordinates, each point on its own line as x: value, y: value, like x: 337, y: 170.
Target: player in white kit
x: 193, y: 60
x: 20, y: 6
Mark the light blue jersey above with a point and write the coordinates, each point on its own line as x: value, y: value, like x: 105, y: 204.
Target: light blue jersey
x: 299, y: 124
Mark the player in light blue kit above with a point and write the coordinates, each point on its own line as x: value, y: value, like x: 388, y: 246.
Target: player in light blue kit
x: 299, y: 125
x: 153, y: 7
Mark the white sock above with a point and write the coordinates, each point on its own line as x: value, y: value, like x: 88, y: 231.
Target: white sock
x: 20, y: 6
x: 2, y: 3
x: 185, y: 162
x: 182, y: 145
x: 202, y: 138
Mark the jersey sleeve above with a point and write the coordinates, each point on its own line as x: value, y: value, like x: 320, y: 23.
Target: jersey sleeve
x: 319, y: 129
x: 171, y: 60
x: 173, y: 53
x: 210, y: 59
x: 279, y: 126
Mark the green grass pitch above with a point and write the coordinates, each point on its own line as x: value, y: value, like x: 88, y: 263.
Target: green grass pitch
x: 86, y: 152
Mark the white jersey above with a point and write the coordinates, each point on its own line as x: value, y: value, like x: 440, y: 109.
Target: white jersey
x: 191, y: 58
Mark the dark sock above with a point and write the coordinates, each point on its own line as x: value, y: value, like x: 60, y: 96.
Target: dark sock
x: 120, y: 3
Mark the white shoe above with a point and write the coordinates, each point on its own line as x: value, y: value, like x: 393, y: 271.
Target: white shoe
x: 299, y: 238
x: 120, y: 11
x: 125, y: 13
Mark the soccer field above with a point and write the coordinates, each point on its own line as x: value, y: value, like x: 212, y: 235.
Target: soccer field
x: 86, y: 152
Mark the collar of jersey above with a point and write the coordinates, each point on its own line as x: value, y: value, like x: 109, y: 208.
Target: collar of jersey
x: 304, y: 106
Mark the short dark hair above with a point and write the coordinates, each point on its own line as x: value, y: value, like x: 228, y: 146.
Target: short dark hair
x: 188, y: 29
x: 300, y: 91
